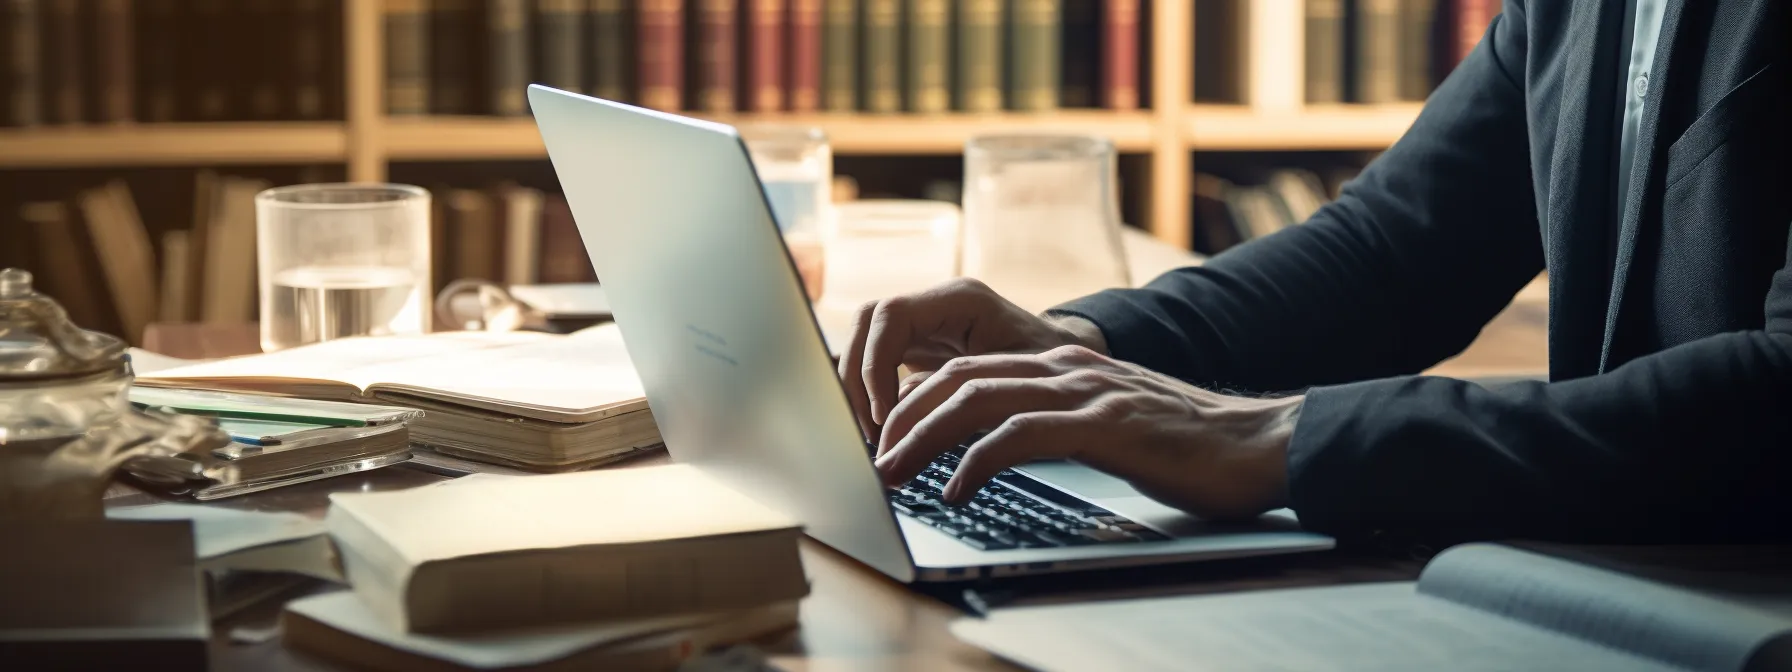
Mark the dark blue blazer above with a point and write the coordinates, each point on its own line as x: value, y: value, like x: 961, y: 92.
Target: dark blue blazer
x: 1668, y: 416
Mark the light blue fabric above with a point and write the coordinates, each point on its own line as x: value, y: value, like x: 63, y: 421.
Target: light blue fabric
x: 1643, y: 26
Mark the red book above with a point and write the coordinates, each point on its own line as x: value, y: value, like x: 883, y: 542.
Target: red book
x: 805, y: 55
x: 765, y: 55
x: 1120, y: 75
x: 718, y: 26
x: 661, y: 40
x: 1472, y: 19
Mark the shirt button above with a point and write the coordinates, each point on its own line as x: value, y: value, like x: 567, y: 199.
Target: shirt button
x: 1641, y: 86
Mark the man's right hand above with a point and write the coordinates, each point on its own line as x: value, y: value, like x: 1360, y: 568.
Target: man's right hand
x: 926, y: 329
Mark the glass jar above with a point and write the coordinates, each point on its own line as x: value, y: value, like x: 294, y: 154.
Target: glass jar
x: 796, y: 167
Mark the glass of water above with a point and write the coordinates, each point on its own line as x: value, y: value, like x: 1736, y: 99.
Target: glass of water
x: 797, y: 168
x: 339, y: 260
x: 882, y: 248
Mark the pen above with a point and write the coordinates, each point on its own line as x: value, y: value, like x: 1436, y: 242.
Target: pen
x: 231, y: 414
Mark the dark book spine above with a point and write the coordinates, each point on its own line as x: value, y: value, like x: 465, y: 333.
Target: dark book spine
x: 563, y: 257
x: 1417, y: 20
x: 216, y: 68
x: 1375, y: 50
x: 407, y: 57
x: 883, y: 56
x: 310, y: 23
x: 1120, y: 55
x: 661, y: 53
x: 1034, y: 54
x: 22, y: 75
x: 270, y: 33
x: 717, y: 27
x: 610, y: 49
x: 507, y: 57
x: 804, y: 76
x: 64, y: 62
x: 1079, y: 37
x: 925, y: 85
x: 840, y: 49
x: 1462, y: 26
x: 1324, y: 61
x: 452, y: 25
x: 979, y: 29
x: 116, y: 83
x: 559, y: 33
x: 765, y: 55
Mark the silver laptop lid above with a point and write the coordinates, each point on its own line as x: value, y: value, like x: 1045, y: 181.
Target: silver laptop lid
x: 714, y: 316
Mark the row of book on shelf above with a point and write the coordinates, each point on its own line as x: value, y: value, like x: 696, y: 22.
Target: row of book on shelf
x: 719, y: 56
x: 115, y: 61
x: 1227, y: 212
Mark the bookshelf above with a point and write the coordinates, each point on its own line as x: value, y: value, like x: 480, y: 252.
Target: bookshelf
x: 367, y: 141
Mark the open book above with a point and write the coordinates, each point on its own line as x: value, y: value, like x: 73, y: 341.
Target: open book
x: 580, y: 378
x: 1475, y: 607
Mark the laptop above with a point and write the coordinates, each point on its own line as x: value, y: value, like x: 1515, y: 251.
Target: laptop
x: 742, y: 384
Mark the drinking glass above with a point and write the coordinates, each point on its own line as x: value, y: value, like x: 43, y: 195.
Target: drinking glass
x: 796, y: 166
x: 882, y: 248
x: 1042, y: 217
x: 339, y: 260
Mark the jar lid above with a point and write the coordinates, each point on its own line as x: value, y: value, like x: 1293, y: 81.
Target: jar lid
x: 37, y: 341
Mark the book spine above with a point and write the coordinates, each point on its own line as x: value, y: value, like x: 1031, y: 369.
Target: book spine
x: 979, y: 86
x: 64, y: 61
x: 507, y: 57
x: 840, y: 47
x: 610, y: 33
x: 883, y: 56
x: 661, y: 53
x: 310, y: 23
x: 1324, y: 51
x: 558, y: 24
x: 1079, y: 37
x: 270, y: 36
x: 21, y: 74
x: 1034, y: 54
x: 563, y: 255
x: 407, y: 57
x: 1417, y: 20
x: 1376, y: 47
x: 451, y: 67
x: 112, y: 68
x: 717, y: 26
x: 804, y: 76
x: 1464, y: 24
x: 1120, y: 51
x: 215, y: 70
x: 765, y: 55
x: 929, y: 57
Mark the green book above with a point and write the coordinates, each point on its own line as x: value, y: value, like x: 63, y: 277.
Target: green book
x: 840, y: 55
x: 610, y: 49
x: 1034, y: 50
x: 979, y: 85
x: 929, y: 56
x: 883, y: 56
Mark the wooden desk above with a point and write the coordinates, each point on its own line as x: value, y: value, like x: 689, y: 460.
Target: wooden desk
x: 855, y: 618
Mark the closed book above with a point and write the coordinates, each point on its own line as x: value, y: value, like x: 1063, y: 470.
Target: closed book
x: 563, y: 257
x: 454, y: 24
x: 925, y: 86
x: 64, y: 59
x: 1325, y: 51
x: 126, y: 255
x: 1034, y: 52
x: 660, y: 54
x: 840, y: 51
x: 1080, y: 40
x: 1120, y: 55
x: 765, y: 55
x: 559, y: 30
x: 265, y: 35
x: 1418, y: 19
x: 407, y: 56
x: 312, y: 26
x: 980, y: 56
x: 214, y: 65
x: 522, y: 234
x: 803, y: 78
x: 114, y: 77
x: 475, y: 229
x: 507, y: 57
x: 1372, y: 74
x: 174, y: 304
x: 612, y: 50
x: 158, y: 56
x: 717, y: 27
x: 1221, y: 63
x: 882, y: 72
x: 512, y: 552
x: 1462, y: 25
x: 21, y: 75
x: 68, y: 267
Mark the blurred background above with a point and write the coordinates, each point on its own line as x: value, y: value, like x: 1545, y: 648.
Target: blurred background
x: 134, y: 134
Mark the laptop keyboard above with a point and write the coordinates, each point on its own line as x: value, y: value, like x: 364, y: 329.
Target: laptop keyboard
x: 1013, y: 511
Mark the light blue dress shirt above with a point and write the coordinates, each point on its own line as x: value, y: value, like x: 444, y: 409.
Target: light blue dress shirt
x: 1642, y: 29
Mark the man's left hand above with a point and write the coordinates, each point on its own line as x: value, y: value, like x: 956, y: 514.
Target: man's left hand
x: 1210, y: 454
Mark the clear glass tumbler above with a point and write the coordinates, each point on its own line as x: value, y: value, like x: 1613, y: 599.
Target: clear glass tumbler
x: 882, y: 248
x: 1042, y: 217
x: 796, y: 165
x: 339, y: 260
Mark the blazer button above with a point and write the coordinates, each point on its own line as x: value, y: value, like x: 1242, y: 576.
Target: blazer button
x: 1641, y: 86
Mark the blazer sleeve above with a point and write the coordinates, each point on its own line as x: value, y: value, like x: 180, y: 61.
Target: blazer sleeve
x: 1425, y: 246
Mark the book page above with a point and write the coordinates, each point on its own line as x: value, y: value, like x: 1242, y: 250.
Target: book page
x: 1686, y: 624
x: 584, y: 377
x: 1379, y: 626
x: 339, y: 361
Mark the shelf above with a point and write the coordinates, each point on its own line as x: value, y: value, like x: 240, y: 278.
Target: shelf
x: 485, y: 138
x: 173, y: 144
x: 1336, y: 127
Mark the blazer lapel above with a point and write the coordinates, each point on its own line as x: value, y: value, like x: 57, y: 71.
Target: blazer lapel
x: 1646, y: 163
x: 1578, y: 212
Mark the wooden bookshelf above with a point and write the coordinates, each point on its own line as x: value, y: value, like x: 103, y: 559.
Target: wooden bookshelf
x: 172, y: 144
x: 1241, y: 128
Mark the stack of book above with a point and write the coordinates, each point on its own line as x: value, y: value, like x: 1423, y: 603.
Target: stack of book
x: 616, y: 569
x: 923, y: 56
x: 509, y: 234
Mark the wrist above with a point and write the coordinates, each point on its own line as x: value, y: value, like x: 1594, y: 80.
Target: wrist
x: 1272, y: 453
x: 1075, y: 330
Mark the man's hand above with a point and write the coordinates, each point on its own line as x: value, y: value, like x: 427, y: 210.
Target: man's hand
x: 1210, y: 454
x: 926, y: 329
